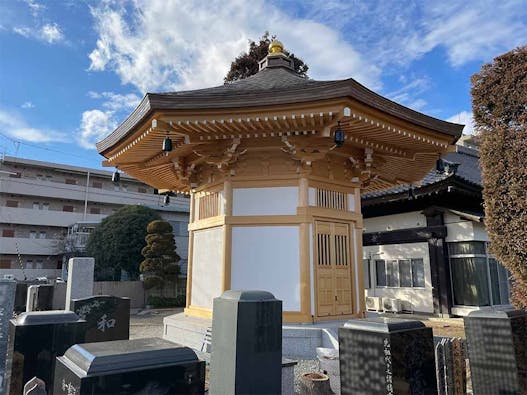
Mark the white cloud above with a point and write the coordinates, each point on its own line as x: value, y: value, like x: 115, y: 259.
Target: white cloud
x: 15, y: 127
x: 464, y: 118
x: 50, y: 33
x: 95, y: 125
x: 409, y: 93
x: 27, y: 104
x: 116, y: 101
x: 401, y: 32
x: 189, y: 45
x: 35, y: 7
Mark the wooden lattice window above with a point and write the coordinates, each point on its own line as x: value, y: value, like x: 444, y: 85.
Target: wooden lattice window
x: 209, y: 205
x: 331, y: 199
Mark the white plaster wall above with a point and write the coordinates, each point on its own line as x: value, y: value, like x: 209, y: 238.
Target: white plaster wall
x: 420, y: 298
x: 351, y: 202
x: 267, y: 258
x: 265, y: 201
x: 312, y: 196
x: 458, y: 229
x: 413, y: 219
x: 206, y: 266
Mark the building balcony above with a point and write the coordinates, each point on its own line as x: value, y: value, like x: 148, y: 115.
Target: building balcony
x: 55, y: 190
x: 23, y: 246
x: 28, y: 216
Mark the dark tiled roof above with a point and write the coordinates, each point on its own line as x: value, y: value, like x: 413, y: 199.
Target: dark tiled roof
x: 467, y: 169
x: 271, y: 86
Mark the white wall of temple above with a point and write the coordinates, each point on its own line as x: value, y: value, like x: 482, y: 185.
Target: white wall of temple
x: 459, y: 229
x: 207, y: 269
x: 265, y: 201
x: 413, y: 219
x: 419, y: 299
x: 267, y: 258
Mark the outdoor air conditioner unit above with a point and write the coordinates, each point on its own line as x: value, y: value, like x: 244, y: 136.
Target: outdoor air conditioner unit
x: 391, y: 305
x: 373, y: 303
x: 9, y: 276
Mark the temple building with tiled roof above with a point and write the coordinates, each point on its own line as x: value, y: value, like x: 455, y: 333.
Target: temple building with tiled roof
x: 425, y: 244
x: 275, y: 165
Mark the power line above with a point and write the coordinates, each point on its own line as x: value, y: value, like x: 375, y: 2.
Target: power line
x: 20, y: 142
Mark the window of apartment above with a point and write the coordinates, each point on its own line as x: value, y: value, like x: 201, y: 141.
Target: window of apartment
x: 36, y: 206
x: 70, y: 181
x: 478, y: 279
x: 29, y: 264
x: 367, y: 283
x: 97, y: 184
x: 5, y: 263
x: 401, y: 273
x: 45, y: 206
x: 40, y: 177
x: 8, y: 233
x: 67, y: 208
x: 32, y: 234
x: 42, y: 235
x: 11, y: 203
x: 39, y: 264
x: 95, y: 210
x: 48, y: 177
x: 141, y: 190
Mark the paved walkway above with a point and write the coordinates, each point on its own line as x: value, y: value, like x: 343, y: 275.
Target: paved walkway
x: 149, y: 323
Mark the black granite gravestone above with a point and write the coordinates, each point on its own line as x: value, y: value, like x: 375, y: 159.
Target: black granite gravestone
x: 139, y: 366
x: 35, y: 339
x: 246, y: 344
x: 44, y: 297
x: 107, y: 317
x: 386, y: 356
x: 497, y: 349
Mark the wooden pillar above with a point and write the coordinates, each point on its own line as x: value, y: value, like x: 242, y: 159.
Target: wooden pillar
x: 304, y: 250
x: 190, y: 251
x: 227, y: 236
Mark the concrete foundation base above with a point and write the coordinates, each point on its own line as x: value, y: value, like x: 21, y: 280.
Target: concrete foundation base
x: 299, y: 341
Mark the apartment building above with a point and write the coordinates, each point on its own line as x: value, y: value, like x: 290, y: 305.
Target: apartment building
x: 41, y: 201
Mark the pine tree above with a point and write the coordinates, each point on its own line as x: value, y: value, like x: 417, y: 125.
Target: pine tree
x: 161, y: 259
x: 246, y: 64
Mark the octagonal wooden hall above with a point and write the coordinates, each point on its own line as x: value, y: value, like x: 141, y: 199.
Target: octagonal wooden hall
x: 275, y: 203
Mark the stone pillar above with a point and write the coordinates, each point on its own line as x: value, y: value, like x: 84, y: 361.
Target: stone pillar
x: 7, y: 302
x: 246, y: 343
x: 35, y: 339
x: 80, y: 279
x: 385, y: 356
x: 497, y: 350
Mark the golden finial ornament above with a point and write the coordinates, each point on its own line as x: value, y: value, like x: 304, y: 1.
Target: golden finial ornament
x: 276, y: 47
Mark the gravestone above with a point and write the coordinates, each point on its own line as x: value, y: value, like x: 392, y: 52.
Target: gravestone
x: 7, y: 301
x: 246, y: 343
x: 107, y: 317
x: 80, y: 279
x: 497, y: 349
x: 35, y: 386
x: 386, y: 356
x: 39, y: 297
x: 440, y: 368
x: 35, y: 339
x: 451, y: 367
x: 139, y: 366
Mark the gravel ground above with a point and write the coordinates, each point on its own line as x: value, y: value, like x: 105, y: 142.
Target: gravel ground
x: 149, y: 323
x: 305, y: 366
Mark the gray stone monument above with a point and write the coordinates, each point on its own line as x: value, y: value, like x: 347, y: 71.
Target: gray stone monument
x: 35, y: 386
x: 39, y: 297
x: 246, y: 343
x: 497, y: 350
x: 7, y: 301
x: 107, y: 317
x: 32, y: 295
x: 80, y: 279
x: 440, y: 368
x: 139, y: 366
x: 451, y: 366
x: 386, y: 356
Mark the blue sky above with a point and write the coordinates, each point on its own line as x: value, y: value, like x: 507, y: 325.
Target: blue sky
x: 71, y: 70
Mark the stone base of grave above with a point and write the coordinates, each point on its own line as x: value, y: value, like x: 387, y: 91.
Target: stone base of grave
x: 299, y: 341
